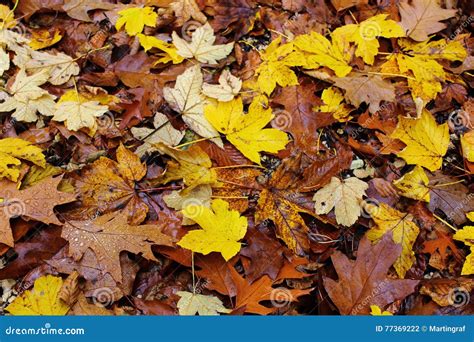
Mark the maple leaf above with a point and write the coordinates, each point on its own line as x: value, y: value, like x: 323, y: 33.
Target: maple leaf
x: 163, y: 132
x: 427, y: 142
x: 78, y: 113
x: 332, y: 99
x: 134, y: 19
x: 369, y: 89
x: 246, y: 131
x: 344, y: 196
x: 363, y: 282
x: 169, y: 54
x: 78, y: 9
x: 14, y: 149
x: 419, y: 61
x: 422, y: 18
x: 178, y: 200
x: 110, y: 234
x: 228, y: 87
x: 186, y: 99
x: 403, y: 231
x: 43, y: 38
x: 185, y: 10
x: 28, y: 98
x: 36, y: 202
x: 42, y: 300
x: 275, y: 67
x: 202, y: 46
x: 414, y: 184
x: 365, y: 35
x: 249, y: 295
x: 108, y: 185
x: 192, y: 303
x: 320, y: 52
x: 222, y: 229
x: 60, y: 66
x: 193, y: 166
x: 8, y: 18
x: 466, y: 235
x: 467, y: 144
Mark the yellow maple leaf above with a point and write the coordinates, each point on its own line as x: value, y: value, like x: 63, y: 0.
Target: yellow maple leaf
x: 169, y: 52
x: 275, y: 67
x: 134, y: 19
x: 43, y: 300
x: 332, y: 98
x: 375, y: 310
x: 202, y: 46
x: 467, y: 144
x: 14, y: 149
x: 193, y: 166
x: 77, y: 113
x: 318, y: 51
x: 466, y: 235
x: 427, y: 142
x: 414, y: 184
x: 404, y: 231
x: 246, y: 131
x: 419, y: 61
x: 43, y: 38
x: 7, y: 18
x: 470, y: 216
x: 222, y: 229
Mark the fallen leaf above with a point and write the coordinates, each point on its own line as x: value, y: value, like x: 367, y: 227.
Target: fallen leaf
x: 185, y: 10
x: 228, y: 87
x: 60, y: 66
x: 169, y: 54
x: 364, y: 282
x: 345, y: 196
x: 369, y: 89
x: 246, y: 131
x: 467, y: 144
x: 43, y: 38
x: 78, y: 9
x: 414, y: 184
x: 36, y: 202
x: 202, y: 46
x: 43, y: 300
x: 110, y: 234
x: 422, y: 18
x: 12, y: 150
x: 135, y: 18
x: 402, y: 229
x: 427, y: 142
x: 222, y: 229
x: 192, y: 303
x: 186, y: 99
x: 466, y: 235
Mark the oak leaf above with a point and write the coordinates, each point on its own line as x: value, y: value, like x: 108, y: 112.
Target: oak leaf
x: 364, y: 282
x: 246, y: 131
x: 12, y: 150
x: 192, y: 303
x: 202, y: 46
x: 43, y: 300
x: 110, y: 234
x: 427, y: 142
x: 108, y: 185
x: 423, y: 17
x: 36, y: 202
x: 403, y: 231
x: 186, y: 99
x: 222, y: 229
x: 345, y: 196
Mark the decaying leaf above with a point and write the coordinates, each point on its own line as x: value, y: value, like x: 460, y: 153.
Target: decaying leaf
x: 12, y: 151
x: 192, y: 303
